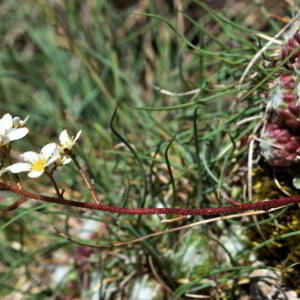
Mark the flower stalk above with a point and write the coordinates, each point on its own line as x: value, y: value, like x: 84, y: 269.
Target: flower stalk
x: 90, y: 187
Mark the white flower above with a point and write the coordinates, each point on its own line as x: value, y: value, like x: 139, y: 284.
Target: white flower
x: 8, y: 132
x: 35, y: 163
x: 66, y: 143
x: 62, y: 159
x: 18, y: 123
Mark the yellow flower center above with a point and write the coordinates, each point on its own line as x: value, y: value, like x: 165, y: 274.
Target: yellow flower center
x: 39, y: 165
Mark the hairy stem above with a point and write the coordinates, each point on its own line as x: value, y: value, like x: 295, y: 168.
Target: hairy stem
x: 263, y: 205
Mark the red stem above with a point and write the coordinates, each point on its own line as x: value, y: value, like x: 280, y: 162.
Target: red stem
x: 263, y: 205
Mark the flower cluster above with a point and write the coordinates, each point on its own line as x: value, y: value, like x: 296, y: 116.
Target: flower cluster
x: 11, y: 129
x: 35, y: 164
x: 290, y: 48
x: 280, y: 137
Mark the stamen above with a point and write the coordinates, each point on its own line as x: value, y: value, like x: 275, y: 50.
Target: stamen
x: 39, y: 165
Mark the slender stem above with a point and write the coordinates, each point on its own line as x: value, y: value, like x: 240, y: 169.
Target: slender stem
x: 50, y: 175
x: 90, y: 187
x: 14, y: 205
x: 263, y: 205
x: 170, y: 169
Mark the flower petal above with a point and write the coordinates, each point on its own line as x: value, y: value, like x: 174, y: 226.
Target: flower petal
x: 16, y: 134
x: 77, y: 136
x: 34, y: 174
x: 64, y: 137
x: 53, y: 159
x: 6, y: 123
x: 48, y: 150
x: 65, y: 160
x: 26, y: 119
x: 30, y: 156
x: 19, y: 167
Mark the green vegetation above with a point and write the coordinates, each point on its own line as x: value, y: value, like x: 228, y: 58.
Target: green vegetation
x: 172, y: 70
